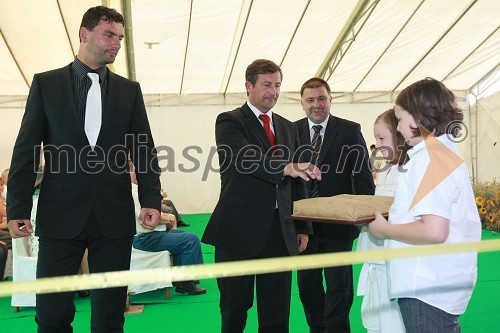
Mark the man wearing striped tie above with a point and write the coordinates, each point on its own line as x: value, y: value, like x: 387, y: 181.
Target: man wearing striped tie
x: 338, y: 148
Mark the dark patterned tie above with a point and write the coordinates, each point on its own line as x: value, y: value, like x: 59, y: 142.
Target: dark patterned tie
x: 267, y: 127
x: 316, y: 147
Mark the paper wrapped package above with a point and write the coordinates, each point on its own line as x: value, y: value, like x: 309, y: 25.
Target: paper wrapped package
x: 344, y: 208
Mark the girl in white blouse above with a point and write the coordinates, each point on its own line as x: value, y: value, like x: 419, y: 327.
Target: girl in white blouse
x: 378, y: 312
x: 433, y: 203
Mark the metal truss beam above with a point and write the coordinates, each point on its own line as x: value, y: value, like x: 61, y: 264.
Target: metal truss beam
x: 352, y: 27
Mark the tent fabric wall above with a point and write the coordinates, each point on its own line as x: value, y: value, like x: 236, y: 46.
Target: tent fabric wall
x: 488, y: 138
x: 185, y: 139
x: 186, y: 47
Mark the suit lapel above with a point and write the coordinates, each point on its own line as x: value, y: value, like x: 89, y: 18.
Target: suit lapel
x: 279, y: 130
x: 305, y: 140
x: 304, y: 136
x: 255, y: 126
x: 67, y: 91
x: 330, y: 133
x: 111, y: 95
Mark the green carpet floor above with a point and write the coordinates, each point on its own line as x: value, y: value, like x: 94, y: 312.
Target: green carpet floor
x: 201, y: 313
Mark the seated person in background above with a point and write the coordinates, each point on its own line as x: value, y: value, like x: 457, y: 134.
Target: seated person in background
x: 167, y: 206
x: 5, y: 239
x: 184, y: 246
x: 3, y: 184
x: 4, y: 231
x: 169, y: 220
x: 4, y: 251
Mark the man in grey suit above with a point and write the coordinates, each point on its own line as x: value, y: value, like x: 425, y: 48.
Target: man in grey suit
x: 343, y: 160
x: 85, y: 197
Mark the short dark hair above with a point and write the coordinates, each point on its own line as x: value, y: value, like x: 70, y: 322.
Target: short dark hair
x: 315, y: 82
x: 94, y: 15
x: 432, y: 106
x: 261, y: 66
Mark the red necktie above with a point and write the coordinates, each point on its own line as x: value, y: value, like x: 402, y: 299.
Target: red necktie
x: 267, y: 127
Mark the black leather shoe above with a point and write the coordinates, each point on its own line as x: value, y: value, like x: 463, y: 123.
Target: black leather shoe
x: 181, y: 223
x: 189, y: 288
x: 175, y: 284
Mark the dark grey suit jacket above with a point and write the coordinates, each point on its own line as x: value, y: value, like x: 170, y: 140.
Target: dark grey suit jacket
x: 76, y: 180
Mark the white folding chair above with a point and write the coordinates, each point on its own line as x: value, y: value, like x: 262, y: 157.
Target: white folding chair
x: 23, y: 269
x: 149, y: 260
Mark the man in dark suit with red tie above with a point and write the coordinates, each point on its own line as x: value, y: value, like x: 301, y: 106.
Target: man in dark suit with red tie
x: 256, y: 148
x: 89, y: 121
x: 343, y: 160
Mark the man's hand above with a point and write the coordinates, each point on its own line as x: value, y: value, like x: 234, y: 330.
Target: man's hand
x: 149, y: 218
x: 305, y: 171
x: 303, y: 239
x: 20, y: 228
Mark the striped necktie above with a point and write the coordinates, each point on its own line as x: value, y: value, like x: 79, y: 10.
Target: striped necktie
x: 316, y: 148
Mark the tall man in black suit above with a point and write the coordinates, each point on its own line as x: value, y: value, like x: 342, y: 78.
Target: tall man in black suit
x: 85, y: 198
x: 256, y: 148
x: 343, y: 160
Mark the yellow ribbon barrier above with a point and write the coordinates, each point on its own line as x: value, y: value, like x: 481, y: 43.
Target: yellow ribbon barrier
x: 235, y: 268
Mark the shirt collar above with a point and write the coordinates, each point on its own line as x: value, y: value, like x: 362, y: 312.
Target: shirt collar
x: 421, y: 145
x: 81, y: 70
x: 257, y: 112
x: 324, y: 123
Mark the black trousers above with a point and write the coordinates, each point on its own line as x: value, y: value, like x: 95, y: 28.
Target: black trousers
x: 59, y: 257
x: 327, y: 311
x: 273, y: 290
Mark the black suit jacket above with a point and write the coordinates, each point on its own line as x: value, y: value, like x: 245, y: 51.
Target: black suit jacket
x: 252, y: 182
x: 344, y: 161
x: 77, y: 181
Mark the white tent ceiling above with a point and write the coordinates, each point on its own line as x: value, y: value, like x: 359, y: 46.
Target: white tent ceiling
x: 184, y: 47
